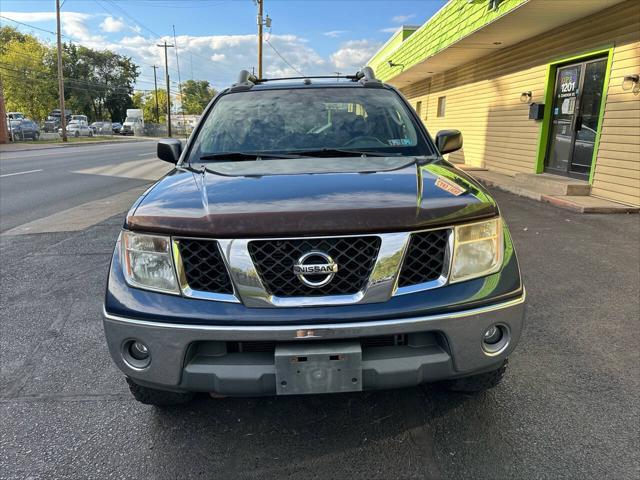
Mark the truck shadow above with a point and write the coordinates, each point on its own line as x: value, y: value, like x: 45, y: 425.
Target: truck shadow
x: 270, y: 436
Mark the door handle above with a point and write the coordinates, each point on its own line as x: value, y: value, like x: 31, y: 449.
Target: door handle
x: 578, y: 126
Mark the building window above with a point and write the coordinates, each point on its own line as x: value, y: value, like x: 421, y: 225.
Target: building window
x: 442, y: 102
x: 419, y: 109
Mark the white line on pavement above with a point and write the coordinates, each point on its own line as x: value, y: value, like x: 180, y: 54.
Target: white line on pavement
x: 145, y: 154
x: 19, y: 173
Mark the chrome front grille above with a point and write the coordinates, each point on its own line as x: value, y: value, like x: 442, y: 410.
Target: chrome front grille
x: 274, y: 260
x: 260, y: 272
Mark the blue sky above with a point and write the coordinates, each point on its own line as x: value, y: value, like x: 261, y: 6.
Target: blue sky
x: 216, y: 38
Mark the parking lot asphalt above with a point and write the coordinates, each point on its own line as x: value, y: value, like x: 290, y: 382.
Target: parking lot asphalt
x: 568, y: 407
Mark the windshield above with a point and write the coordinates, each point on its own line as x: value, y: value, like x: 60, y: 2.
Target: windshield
x: 15, y: 123
x: 314, y: 119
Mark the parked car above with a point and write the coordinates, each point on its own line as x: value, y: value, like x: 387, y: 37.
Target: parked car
x: 15, y: 115
x: 77, y: 128
x: 101, y: 128
x: 312, y: 239
x: 23, y: 128
x: 116, y: 127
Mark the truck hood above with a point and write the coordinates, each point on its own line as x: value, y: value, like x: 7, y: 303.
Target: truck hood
x: 309, y: 197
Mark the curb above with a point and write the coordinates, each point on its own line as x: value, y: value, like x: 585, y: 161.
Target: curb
x: 558, y: 201
x: 74, y: 144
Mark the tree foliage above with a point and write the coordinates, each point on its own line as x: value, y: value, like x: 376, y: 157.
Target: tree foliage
x: 196, y: 95
x: 25, y: 66
x: 149, y: 106
x: 98, y: 84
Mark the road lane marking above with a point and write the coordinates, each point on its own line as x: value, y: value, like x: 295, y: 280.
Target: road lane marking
x: 145, y: 154
x: 143, y: 169
x: 20, y: 173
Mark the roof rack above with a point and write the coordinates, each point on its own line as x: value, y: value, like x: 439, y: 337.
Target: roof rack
x: 365, y: 77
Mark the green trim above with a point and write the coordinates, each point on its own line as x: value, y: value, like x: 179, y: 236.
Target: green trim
x: 549, y: 88
x: 454, y: 21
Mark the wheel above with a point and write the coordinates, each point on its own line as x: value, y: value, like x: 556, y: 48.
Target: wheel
x: 77, y: 134
x: 36, y: 136
x: 90, y: 133
x: 477, y: 383
x: 159, y: 398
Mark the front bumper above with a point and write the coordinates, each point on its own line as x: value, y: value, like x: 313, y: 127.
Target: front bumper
x: 188, y: 357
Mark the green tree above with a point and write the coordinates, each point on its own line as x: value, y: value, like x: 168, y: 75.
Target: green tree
x: 149, y: 107
x: 26, y: 65
x: 196, y: 95
x: 99, y: 83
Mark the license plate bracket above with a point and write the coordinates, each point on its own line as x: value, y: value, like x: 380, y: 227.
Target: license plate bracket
x: 309, y: 368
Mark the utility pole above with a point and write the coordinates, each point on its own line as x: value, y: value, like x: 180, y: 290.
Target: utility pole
x: 166, y: 71
x: 63, y: 117
x: 260, y: 5
x: 3, y: 116
x: 155, y: 83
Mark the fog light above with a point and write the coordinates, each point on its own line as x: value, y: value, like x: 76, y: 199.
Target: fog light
x: 139, y: 351
x: 492, y: 335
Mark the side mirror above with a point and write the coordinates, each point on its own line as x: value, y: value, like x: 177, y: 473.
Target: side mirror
x: 448, y: 141
x: 169, y: 150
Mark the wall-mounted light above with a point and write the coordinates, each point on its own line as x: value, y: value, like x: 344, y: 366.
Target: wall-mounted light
x: 630, y: 81
x: 393, y: 65
x: 525, y: 97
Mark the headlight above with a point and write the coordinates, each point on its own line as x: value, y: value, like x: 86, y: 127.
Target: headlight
x: 147, y: 262
x: 477, y: 250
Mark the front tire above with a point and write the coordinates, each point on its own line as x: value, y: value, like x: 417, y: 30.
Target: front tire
x: 158, y: 398
x: 477, y: 383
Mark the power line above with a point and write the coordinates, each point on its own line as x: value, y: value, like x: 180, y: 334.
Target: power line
x: 30, y: 26
x: 282, y: 58
x: 111, y: 2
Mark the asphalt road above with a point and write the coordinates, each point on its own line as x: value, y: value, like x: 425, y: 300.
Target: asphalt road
x: 37, y: 183
x: 568, y: 408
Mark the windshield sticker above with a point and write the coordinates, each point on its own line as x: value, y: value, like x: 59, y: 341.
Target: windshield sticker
x: 448, y: 186
x: 399, y: 142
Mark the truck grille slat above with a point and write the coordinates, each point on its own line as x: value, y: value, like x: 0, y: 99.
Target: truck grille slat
x: 204, y: 268
x: 274, y: 261
x: 424, y: 261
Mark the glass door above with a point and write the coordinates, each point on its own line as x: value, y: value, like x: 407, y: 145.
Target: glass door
x: 576, y: 109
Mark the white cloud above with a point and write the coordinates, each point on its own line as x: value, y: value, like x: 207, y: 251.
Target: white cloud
x: 219, y: 58
x: 334, y: 33
x: 389, y: 30
x: 402, y: 18
x: 353, y: 54
x: 73, y: 24
x: 112, y: 25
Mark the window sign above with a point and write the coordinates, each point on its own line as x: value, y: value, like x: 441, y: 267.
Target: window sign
x: 568, y: 85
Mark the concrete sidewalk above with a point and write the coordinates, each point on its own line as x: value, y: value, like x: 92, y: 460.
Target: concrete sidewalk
x: 543, y: 191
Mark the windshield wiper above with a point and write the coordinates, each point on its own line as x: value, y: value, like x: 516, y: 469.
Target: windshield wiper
x: 332, y: 152
x: 245, y: 156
